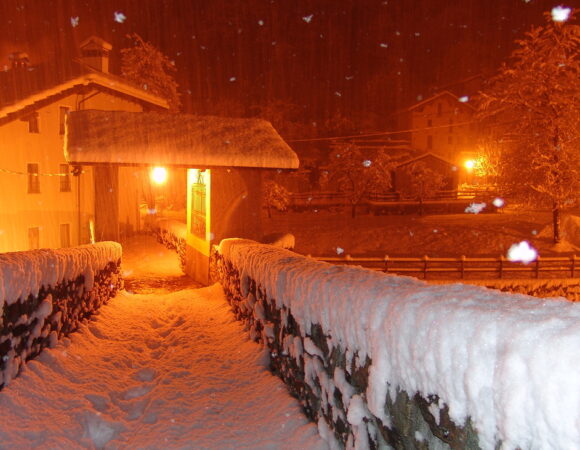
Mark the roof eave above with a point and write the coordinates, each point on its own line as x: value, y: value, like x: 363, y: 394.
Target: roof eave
x: 84, y: 80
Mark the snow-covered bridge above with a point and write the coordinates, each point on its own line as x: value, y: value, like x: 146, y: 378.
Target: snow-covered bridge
x: 166, y: 369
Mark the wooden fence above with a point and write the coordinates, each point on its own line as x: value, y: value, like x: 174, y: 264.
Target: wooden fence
x: 465, y: 267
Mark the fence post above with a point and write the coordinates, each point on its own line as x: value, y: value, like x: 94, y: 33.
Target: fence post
x: 463, y: 266
x: 386, y: 264
x: 538, y: 267
x: 573, y: 265
x: 425, y: 260
x: 501, y: 260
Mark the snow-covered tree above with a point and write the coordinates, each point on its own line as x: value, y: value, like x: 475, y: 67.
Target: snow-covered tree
x: 146, y: 66
x: 534, y: 104
x: 422, y: 183
x: 275, y: 196
x: 359, y: 171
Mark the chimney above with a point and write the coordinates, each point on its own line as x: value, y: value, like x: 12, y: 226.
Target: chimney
x: 19, y: 60
x: 95, y: 53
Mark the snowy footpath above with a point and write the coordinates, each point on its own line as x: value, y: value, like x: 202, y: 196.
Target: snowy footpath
x: 157, y: 370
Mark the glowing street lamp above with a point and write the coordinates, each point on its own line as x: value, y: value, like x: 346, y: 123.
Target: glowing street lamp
x: 469, y: 164
x: 159, y: 175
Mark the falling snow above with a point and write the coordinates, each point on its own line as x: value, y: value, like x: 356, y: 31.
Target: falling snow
x: 522, y: 252
x: 119, y: 17
x: 561, y: 13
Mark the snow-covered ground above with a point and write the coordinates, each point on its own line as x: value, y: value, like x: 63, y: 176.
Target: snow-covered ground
x: 158, y: 370
x: 326, y: 233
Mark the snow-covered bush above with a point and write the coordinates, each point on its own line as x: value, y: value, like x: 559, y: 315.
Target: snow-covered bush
x: 382, y: 360
x: 45, y: 294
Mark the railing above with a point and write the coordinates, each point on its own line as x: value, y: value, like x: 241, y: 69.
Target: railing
x: 464, y: 267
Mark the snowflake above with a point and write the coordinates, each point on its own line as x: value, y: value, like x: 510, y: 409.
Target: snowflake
x: 464, y: 99
x: 338, y: 94
x: 232, y: 79
x: 261, y: 23
x: 119, y: 17
x: 475, y: 208
x: 523, y: 252
x: 498, y: 202
x: 384, y: 45
x: 74, y: 21
x: 367, y: 163
x: 561, y: 13
x: 339, y: 250
x: 308, y: 19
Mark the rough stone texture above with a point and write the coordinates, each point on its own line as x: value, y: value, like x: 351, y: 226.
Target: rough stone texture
x: 172, y: 242
x: 327, y: 382
x: 35, y: 322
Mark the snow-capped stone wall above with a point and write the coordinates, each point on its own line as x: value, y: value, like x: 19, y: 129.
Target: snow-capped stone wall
x: 172, y: 234
x: 45, y: 294
x: 387, y: 360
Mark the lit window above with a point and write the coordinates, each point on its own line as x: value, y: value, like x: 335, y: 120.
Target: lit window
x: 63, y: 111
x: 64, y: 178
x: 65, y: 235
x: 33, y: 238
x: 33, y: 178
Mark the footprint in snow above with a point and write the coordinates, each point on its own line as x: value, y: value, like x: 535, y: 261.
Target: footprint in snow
x: 146, y: 374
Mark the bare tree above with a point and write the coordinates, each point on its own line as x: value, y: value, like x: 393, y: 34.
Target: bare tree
x: 422, y: 183
x: 533, y: 103
x: 359, y: 172
x: 275, y: 196
x: 151, y: 70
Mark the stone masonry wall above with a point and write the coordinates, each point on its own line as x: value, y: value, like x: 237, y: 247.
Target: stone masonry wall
x: 330, y: 386
x: 34, y: 322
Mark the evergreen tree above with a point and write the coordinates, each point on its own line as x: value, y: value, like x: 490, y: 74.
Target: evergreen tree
x: 151, y: 70
x: 533, y: 103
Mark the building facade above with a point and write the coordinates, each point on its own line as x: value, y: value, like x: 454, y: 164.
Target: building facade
x: 44, y: 201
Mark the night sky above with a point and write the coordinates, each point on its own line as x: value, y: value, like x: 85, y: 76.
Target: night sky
x: 327, y: 57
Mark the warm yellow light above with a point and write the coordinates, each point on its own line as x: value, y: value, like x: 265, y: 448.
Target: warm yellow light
x: 469, y: 164
x: 159, y: 175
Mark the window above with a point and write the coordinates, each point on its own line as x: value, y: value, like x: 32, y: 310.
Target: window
x: 198, y: 207
x: 64, y: 178
x: 63, y: 111
x: 33, y: 238
x: 429, y: 142
x: 33, y: 123
x: 33, y: 178
x: 65, y: 235
x: 429, y: 123
x: 450, y: 125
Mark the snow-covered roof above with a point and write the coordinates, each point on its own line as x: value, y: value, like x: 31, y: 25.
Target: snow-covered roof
x: 93, y: 78
x: 153, y: 138
x: 439, y: 95
x: 422, y: 156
